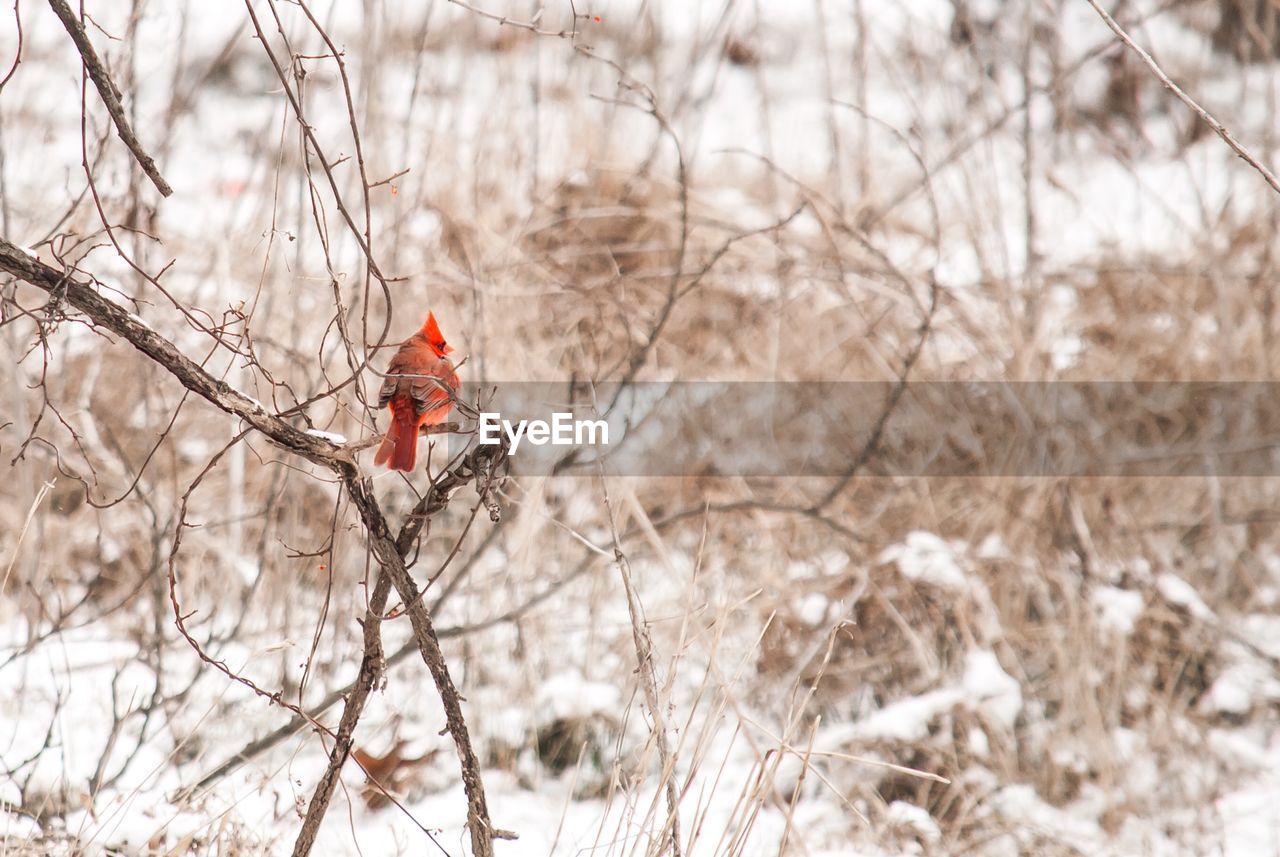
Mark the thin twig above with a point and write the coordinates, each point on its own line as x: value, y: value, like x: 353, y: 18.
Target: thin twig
x: 1218, y: 127
x: 531, y: 26
x: 110, y: 94
x: 17, y: 53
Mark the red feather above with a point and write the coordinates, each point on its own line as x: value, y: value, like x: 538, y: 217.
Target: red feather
x: 419, y: 387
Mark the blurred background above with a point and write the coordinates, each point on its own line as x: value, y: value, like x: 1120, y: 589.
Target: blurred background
x: 808, y: 190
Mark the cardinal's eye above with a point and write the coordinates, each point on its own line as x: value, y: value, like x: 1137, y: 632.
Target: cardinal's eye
x: 443, y: 344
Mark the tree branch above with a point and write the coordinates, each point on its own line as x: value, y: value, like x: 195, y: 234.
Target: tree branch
x: 371, y: 666
x: 110, y: 94
x: 112, y: 317
x: 1218, y: 128
x: 388, y: 556
x: 477, y: 465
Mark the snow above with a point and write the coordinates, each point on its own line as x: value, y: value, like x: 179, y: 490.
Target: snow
x: 992, y: 690
x: 1179, y: 592
x: 984, y: 687
x: 140, y: 321
x: 1022, y: 806
x: 1249, y: 823
x: 813, y: 608
x: 1241, y: 687
x: 1118, y: 609
x: 930, y: 559
x: 570, y: 695
x: 978, y: 742
x: 992, y: 548
x: 332, y: 437
x: 1263, y: 630
x: 18, y: 827
x: 907, y: 719
x: 908, y: 815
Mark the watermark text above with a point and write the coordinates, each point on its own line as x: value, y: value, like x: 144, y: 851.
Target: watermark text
x: 564, y: 429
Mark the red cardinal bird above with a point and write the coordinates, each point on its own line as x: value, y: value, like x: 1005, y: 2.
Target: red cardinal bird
x: 419, y: 388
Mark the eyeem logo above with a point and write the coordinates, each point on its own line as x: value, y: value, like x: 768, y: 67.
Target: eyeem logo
x: 563, y: 430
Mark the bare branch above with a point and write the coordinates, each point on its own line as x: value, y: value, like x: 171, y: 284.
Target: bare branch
x: 371, y: 666
x: 1218, y: 127
x: 110, y: 94
x: 17, y: 53
x: 115, y: 319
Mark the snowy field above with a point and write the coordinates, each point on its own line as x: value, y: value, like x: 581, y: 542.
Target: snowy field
x: 778, y: 190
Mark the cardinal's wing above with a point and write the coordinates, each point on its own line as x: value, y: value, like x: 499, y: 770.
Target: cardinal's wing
x: 388, y: 388
x: 431, y: 392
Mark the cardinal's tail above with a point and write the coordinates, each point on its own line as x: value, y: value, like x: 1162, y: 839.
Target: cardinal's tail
x: 400, y: 446
x: 406, y: 451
